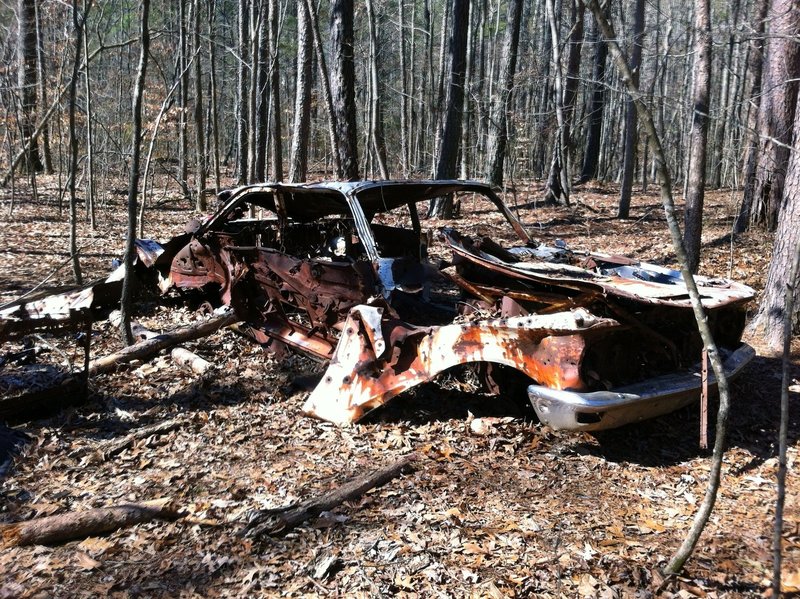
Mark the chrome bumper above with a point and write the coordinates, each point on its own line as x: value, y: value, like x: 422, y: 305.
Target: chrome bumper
x: 597, y: 410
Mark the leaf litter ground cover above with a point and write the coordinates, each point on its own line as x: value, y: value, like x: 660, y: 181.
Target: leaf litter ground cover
x: 498, y: 506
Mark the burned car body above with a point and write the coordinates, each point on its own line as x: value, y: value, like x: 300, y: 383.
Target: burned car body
x: 345, y: 272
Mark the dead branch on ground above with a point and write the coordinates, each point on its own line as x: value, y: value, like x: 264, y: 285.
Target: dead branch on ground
x: 280, y: 521
x: 86, y: 523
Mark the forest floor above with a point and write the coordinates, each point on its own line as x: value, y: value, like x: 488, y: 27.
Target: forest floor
x: 509, y: 509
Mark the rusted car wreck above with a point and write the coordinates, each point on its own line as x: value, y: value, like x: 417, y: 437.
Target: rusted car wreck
x: 346, y: 273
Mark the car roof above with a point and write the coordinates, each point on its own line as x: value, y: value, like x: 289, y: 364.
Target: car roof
x: 310, y: 201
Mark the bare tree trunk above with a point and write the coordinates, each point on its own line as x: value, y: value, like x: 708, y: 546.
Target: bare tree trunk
x: 375, y: 124
x: 90, y: 191
x: 343, y: 87
x: 467, y: 147
x: 256, y: 144
x: 558, y: 181
x: 693, y: 217
x: 727, y: 70
x: 78, y: 23
x: 212, y: 59
x: 451, y: 135
x: 322, y: 68
x: 243, y: 95
x: 783, y: 431
x: 261, y: 96
x: 276, y: 145
x: 598, y: 99
x: 298, y: 162
x: 438, y: 117
x: 768, y: 321
x: 26, y: 78
x: 755, y: 65
x: 498, y: 122
x: 199, y: 130
x: 631, y: 125
x: 42, y: 83
x: 126, y: 300
x: 764, y: 190
x: 183, y: 101
x: 404, y: 99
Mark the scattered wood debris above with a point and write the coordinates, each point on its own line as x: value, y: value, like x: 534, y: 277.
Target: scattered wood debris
x: 280, y: 521
x: 86, y: 523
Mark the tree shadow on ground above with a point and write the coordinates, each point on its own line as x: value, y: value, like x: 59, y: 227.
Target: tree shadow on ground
x: 666, y: 440
x: 752, y: 425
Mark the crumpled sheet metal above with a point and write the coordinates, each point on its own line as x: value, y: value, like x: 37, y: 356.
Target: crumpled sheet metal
x: 67, y: 310
x: 547, y: 348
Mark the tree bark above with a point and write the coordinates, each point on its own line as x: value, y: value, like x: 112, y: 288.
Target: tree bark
x: 298, y: 162
x: 405, y: 132
x: 42, y: 84
x: 498, y: 122
x: 451, y: 134
x: 183, y: 102
x: 149, y: 347
x: 212, y: 60
x: 755, y: 66
x: 322, y: 69
x: 594, y: 128
x: 768, y: 321
x: 343, y: 87
x: 631, y: 125
x: 26, y: 78
x: 764, y: 190
x: 261, y: 95
x: 278, y: 522
x: 126, y: 299
x: 375, y: 117
x: 199, y: 128
x: 77, y: 525
x: 783, y: 430
x: 78, y: 23
x: 276, y: 137
x: 693, y: 216
x: 243, y: 94
x: 90, y: 189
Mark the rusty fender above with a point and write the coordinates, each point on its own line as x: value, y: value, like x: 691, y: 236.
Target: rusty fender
x: 377, y: 358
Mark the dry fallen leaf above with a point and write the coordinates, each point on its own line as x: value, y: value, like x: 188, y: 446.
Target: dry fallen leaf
x: 85, y: 562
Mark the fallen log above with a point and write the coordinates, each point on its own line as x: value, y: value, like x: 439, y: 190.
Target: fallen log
x: 180, y: 355
x: 280, y: 521
x: 149, y: 347
x: 188, y: 359
x: 87, y: 523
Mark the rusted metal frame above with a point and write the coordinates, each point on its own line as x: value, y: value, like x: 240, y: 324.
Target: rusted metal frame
x: 292, y: 334
x: 363, y: 229
x: 87, y: 349
x: 549, y: 349
x: 509, y: 270
x: 704, y: 401
x: 481, y: 293
x: 627, y: 318
x: 579, y: 301
x: 515, y: 223
x: 236, y: 197
x: 296, y: 276
x: 416, y: 225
